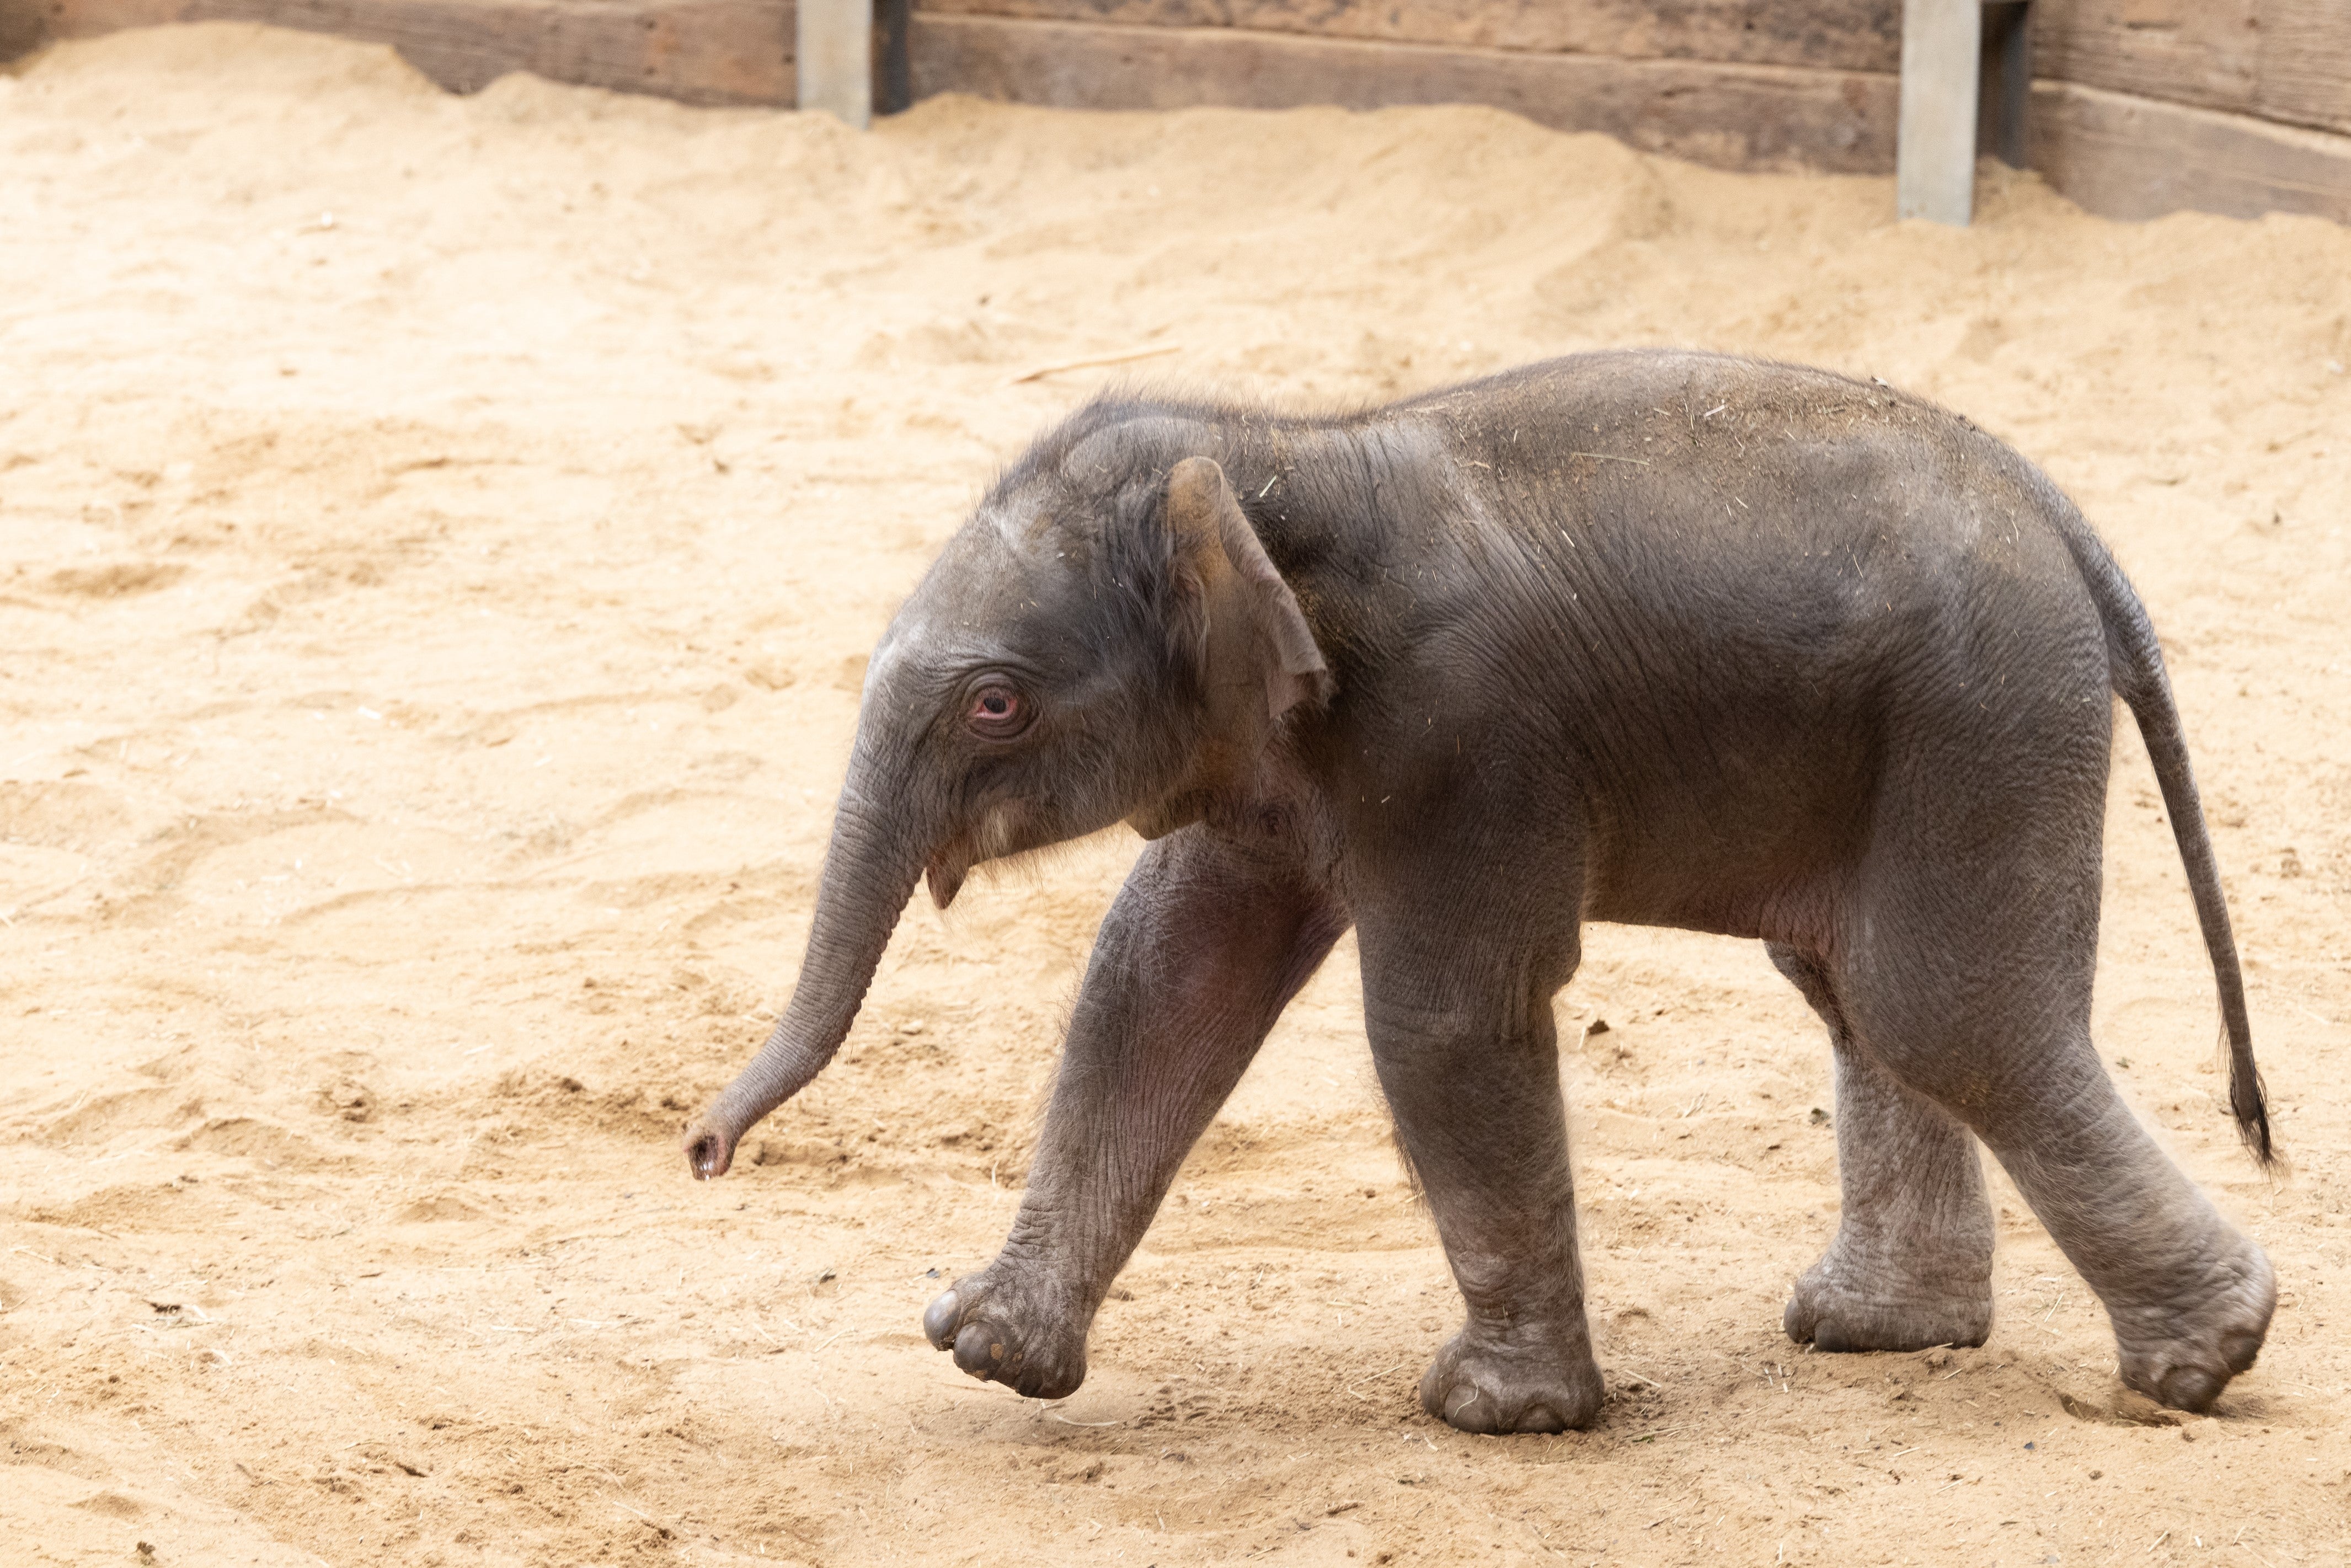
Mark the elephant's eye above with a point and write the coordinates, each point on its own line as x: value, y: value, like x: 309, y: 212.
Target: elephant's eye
x: 998, y: 712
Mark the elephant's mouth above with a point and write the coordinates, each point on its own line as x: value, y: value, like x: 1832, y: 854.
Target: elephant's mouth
x: 1003, y: 828
x: 944, y: 880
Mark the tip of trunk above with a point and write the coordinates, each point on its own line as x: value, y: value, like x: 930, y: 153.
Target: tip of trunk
x: 709, y: 1151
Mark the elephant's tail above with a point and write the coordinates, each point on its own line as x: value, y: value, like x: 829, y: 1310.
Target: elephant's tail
x: 2135, y: 666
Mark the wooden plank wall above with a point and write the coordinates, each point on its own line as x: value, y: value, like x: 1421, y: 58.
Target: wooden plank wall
x: 697, y: 51
x: 2141, y: 106
x: 2238, y: 107
x: 1731, y: 116
x: 2145, y: 106
x: 1835, y: 35
x: 2288, y: 61
x: 1743, y: 84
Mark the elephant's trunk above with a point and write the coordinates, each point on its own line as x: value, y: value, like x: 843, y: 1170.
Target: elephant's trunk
x: 869, y: 874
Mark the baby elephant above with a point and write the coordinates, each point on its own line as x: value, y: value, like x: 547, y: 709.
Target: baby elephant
x: 1661, y: 638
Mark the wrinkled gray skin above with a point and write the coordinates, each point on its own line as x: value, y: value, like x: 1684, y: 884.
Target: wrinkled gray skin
x: 1658, y: 638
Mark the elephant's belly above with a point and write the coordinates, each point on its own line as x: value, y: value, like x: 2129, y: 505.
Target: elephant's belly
x: 1733, y: 859
x: 1797, y: 909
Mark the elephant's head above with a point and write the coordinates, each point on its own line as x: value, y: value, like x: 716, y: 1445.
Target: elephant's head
x: 1104, y: 640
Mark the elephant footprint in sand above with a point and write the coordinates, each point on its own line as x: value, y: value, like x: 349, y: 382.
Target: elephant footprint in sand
x: 1827, y: 667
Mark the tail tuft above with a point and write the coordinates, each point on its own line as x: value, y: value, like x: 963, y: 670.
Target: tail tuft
x: 2249, y: 1102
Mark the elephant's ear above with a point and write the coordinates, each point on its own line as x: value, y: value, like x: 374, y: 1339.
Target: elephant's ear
x: 1246, y: 622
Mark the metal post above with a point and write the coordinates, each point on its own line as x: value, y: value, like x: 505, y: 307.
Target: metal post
x: 835, y: 55
x: 1935, y: 156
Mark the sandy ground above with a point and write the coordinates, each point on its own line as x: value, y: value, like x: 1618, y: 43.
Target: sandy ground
x: 439, y: 539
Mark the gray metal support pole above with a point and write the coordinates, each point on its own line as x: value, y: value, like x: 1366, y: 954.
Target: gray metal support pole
x: 1935, y: 157
x: 835, y: 46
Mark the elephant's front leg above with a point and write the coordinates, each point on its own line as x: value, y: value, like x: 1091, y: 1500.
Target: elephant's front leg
x: 1462, y: 1035
x: 1208, y: 941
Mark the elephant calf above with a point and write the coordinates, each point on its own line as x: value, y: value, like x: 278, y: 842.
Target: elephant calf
x: 1661, y: 638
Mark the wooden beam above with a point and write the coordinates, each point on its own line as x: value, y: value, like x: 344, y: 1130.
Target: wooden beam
x: 2200, y: 52
x: 1824, y: 35
x: 1732, y: 117
x: 2126, y: 157
x: 699, y: 51
x: 22, y: 28
x: 2287, y: 60
x: 2306, y: 64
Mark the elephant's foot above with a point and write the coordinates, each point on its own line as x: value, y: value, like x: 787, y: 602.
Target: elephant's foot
x: 2184, y: 1354
x: 1478, y: 1385
x: 1012, y: 1324
x: 1858, y: 1297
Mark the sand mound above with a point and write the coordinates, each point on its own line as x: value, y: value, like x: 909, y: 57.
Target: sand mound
x: 439, y: 541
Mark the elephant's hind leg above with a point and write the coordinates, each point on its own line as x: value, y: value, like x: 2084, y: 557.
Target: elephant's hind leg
x: 1911, y: 1263
x: 1970, y: 985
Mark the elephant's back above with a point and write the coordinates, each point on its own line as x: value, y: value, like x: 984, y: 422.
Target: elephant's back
x: 1714, y: 596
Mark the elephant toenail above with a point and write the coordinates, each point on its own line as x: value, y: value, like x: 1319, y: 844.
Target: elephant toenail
x: 971, y: 1347
x: 939, y: 1321
x: 2191, y: 1388
x: 996, y: 1352
x: 2240, y: 1348
x: 1793, y: 1322
x: 1464, y: 1396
